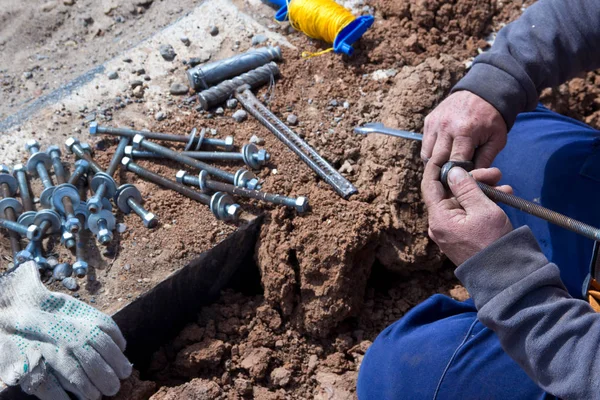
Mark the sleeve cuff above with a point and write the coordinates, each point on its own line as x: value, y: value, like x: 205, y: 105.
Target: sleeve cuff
x: 499, y: 88
x: 503, y: 263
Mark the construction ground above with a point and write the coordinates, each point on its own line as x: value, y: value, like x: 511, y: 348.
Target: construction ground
x: 298, y: 298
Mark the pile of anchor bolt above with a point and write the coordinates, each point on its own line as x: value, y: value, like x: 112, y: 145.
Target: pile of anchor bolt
x: 65, y: 211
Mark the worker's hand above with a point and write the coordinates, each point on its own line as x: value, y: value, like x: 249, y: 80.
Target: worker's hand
x: 459, y: 125
x: 465, y: 221
x: 63, y: 345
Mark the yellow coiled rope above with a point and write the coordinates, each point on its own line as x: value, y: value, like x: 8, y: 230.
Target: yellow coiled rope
x: 318, y: 19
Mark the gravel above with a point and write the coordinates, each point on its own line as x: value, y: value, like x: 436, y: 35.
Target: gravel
x: 113, y: 75
x: 220, y: 111
x: 258, y: 39
x: 185, y: 40
x: 62, y: 271
x: 257, y: 140
x: 240, y: 115
x: 179, y: 89
x: 292, y: 119
x: 167, y: 52
x: 213, y: 30
x: 232, y: 103
x: 160, y: 116
x: 70, y: 283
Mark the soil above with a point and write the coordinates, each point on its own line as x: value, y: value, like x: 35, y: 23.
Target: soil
x: 331, y: 279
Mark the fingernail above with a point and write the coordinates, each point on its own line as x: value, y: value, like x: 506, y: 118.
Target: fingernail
x: 456, y: 175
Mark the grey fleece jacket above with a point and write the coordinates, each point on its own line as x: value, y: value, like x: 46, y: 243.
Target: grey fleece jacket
x: 517, y: 292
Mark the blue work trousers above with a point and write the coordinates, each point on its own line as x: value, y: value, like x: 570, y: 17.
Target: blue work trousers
x: 439, y: 349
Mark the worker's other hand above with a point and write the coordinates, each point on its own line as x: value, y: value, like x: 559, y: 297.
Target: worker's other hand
x: 464, y: 127
x: 57, y: 344
x: 465, y: 221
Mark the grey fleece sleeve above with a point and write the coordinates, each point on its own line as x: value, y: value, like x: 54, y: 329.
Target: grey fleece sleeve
x: 519, y: 295
x: 553, y: 41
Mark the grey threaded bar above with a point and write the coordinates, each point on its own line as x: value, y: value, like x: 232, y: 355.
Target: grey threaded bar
x: 204, y: 76
x: 117, y: 157
x: 255, y: 78
x: 24, y: 191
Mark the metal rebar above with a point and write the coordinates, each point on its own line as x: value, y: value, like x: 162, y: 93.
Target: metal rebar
x: 79, y: 152
x: 295, y: 143
x: 176, y: 156
x: 118, y: 156
x: 255, y: 78
x: 165, y: 182
x: 204, y: 76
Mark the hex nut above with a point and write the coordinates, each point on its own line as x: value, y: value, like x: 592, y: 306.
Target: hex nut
x: 80, y: 268
x: 150, y: 220
x: 73, y: 225
x: 229, y: 142
x: 69, y: 143
x: 125, y: 161
x: 263, y: 156
x: 33, y: 232
x: 93, y: 128
x: 137, y: 141
x: 128, y: 151
x: 180, y: 176
x: 253, y: 184
x: 19, y: 168
x: 66, y: 236
x: 233, y: 212
x: 105, y: 236
x: 87, y: 148
x: 301, y: 204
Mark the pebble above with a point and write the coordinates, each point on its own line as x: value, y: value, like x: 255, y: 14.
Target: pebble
x: 194, y: 61
x: 213, y: 132
x: 27, y: 74
x: 68, y: 2
x: 179, y: 89
x: 140, y: 71
x: 127, y: 267
x: 281, y: 376
x: 159, y: 116
x: 88, y: 20
x: 147, y: 77
x: 232, y: 103
x: 70, y: 283
x: 127, y: 60
x: 292, y: 119
x: 138, y: 92
x: 333, y: 103
x: 49, y: 6
x: 62, y: 271
x: 384, y: 74
x: 185, y: 40
x: 167, y: 52
x: 121, y: 228
x: 136, y: 83
x: 258, y: 39
x: 240, y: 115
x: 346, y: 105
x: 257, y: 140
x: 113, y: 75
x: 52, y: 262
x: 213, y: 30
x: 220, y: 111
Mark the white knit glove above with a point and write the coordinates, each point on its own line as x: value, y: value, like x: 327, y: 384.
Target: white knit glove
x: 51, y: 343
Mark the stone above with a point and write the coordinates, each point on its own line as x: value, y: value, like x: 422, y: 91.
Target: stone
x: 280, y: 377
x: 70, y: 283
x: 127, y: 60
x: 68, y: 2
x: 185, y: 40
x: 143, y: 3
x: 213, y: 30
x: 257, y: 140
x: 49, y: 6
x: 179, y: 89
x: 206, y: 354
x: 113, y: 75
x: 384, y: 74
x: 256, y: 361
x: 136, y: 83
x: 240, y: 116
x: 87, y: 20
x: 346, y: 105
x: 243, y: 386
x: 160, y: 116
x: 167, y: 52
x: 27, y: 75
x: 121, y: 228
x: 258, y: 39
x: 220, y: 111
x: 333, y: 103
x: 232, y: 103
x: 138, y: 92
x: 62, y: 271
x: 292, y: 120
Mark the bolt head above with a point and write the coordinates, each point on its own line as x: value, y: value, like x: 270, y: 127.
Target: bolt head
x: 69, y: 143
x: 229, y: 142
x: 180, y: 175
x: 105, y: 236
x: 128, y: 151
x: 94, y: 205
x: 137, y: 141
x: 33, y: 232
x: 125, y: 161
x: 150, y: 220
x: 93, y: 128
x: 53, y: 149
x: 233, y: 212
x: 19, y: 168
x: 31, y: 144
x: 80, y: 268
x: 301, y: 204
x: 4, y: 169
x: 73, y: 225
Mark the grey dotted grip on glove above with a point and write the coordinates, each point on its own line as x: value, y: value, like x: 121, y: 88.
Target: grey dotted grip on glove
x: 51, y: 343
